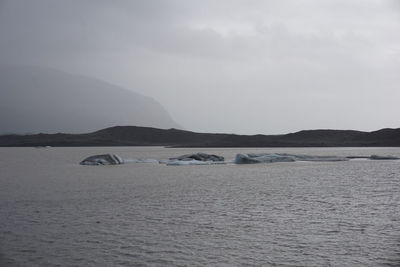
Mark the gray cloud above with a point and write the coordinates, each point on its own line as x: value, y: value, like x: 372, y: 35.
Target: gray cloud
x: 229, y: 66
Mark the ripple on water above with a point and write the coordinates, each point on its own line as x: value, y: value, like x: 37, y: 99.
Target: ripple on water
x: 284, y: 214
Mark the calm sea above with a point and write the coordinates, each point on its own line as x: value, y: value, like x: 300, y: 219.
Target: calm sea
x: 55, y: 212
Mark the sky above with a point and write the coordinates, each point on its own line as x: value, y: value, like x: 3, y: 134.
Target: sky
x: 234, y: 66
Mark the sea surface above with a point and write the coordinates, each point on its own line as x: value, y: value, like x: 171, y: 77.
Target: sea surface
x: 55, y: 212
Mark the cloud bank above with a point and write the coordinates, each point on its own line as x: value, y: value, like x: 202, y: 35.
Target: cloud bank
x: 225, y: 66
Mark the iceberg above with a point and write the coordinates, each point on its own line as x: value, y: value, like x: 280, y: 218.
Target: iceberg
x: 252, y: 158
x: 105, y: 159
x: 262, y: 158
x: 194, y: 159
x: 377, y: 157
x: 211, y: 159
x: 199, y: 157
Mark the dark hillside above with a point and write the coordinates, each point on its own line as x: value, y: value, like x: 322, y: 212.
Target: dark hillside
x: 146, y: 136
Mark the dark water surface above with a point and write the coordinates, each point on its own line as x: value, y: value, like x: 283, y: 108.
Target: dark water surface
x: 54, y: 212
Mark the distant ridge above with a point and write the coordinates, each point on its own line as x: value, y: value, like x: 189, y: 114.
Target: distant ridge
x: 146, y: 136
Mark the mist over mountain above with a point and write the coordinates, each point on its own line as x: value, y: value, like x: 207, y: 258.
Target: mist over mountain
x: 36, y: 99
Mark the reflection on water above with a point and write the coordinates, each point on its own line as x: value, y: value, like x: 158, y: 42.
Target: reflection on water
x: 55, y: 212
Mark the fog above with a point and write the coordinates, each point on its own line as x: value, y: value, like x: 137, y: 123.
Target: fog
x: 40, y: 100
x: 236, y: 66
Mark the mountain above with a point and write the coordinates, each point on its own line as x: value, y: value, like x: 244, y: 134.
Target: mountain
x: 35, y: 99
x: 145, y: 136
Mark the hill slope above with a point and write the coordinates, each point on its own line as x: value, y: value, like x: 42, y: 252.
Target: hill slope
x: 34, y: 100
x: 145, y: 136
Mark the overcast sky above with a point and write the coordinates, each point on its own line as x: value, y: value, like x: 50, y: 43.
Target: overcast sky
x: 254, y: 66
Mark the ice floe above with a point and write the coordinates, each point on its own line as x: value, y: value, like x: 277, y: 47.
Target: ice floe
x: 104, y: 159
x: 261, y: 158
x: 211, y: 159
x: 252, y: 158
x: 377, y: 157
x: 195, y: 159
x: 199, y: 157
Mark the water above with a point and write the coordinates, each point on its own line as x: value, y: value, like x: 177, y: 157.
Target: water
x: 54, y: 212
